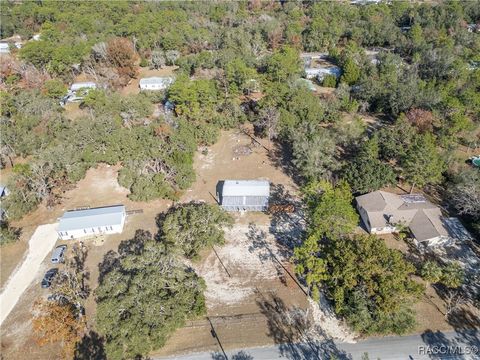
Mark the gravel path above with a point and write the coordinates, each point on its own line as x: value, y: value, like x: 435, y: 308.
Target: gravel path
x: 40, y: 245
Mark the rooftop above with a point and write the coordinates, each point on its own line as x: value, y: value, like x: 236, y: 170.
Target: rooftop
x: 81, y: 219
x: 246, y: 188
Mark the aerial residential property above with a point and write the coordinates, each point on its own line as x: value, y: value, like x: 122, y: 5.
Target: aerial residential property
x: 383, y: 212
x: 75, y: 224
x: 240, y: 180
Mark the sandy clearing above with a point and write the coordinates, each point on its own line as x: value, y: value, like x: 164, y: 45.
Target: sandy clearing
x: 39, y: 246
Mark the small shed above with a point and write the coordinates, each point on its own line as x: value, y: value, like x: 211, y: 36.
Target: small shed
x: 103, y: 220
x: 155, y: 83
x: 4, y: 48
x: 245, y: 195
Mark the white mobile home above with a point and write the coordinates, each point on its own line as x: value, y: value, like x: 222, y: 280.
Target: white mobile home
x: 245, y: 195
x: 155, y: 83
x: 82, y: 85
x: 4, y: 48
x: 80, y: 223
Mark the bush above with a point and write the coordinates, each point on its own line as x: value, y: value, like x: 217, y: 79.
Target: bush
x: 329, y: 81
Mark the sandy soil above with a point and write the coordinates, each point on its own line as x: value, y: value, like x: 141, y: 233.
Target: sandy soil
x: 39, y: 246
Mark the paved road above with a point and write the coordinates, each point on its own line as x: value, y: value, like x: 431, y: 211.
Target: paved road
x: 430, y: 345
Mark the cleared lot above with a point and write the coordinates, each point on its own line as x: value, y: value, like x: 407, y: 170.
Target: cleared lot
x: 40, y: 245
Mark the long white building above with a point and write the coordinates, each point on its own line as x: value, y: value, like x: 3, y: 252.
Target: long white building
x: 80, y: 223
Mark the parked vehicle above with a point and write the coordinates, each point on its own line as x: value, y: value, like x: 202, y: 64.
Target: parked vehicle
x: 48, y: 277
x: 58, y: 254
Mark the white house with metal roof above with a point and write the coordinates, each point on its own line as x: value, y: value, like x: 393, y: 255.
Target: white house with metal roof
x: 80, y: 223
x: 245, y: 195
x: 155, y: 83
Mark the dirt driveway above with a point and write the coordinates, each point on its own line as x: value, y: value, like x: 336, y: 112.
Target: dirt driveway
x: 39, y: 246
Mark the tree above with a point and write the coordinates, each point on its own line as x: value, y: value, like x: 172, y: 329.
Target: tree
x: 120, y: 54
x: 423, y: 120
x: 70, y: 285
x: 55, y: 89
x: 365, y: 274
x: 452, y: 275
x: 367, y: 172
x: 431, y: 272
x: 194, y: 226
x: 145, y: 293
x: 284, y: 64
x: 268, y: 119
x: 8, y: 234
x: 351, y: 72
x: 422, y: 164
x: 314, y: 154
x: 56, y: 323
x: 158, y: 59
x: 331, y: 213
x: 464, y: 193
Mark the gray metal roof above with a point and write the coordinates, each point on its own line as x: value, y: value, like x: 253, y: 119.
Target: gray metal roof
x: 156, y: 80
x: 90, y: 218
x: 246, y: 188
x: 83, y: 85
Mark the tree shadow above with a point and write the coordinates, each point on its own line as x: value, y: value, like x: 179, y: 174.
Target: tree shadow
x: 90, y: 347
x: 288, y: 228
x: 241, y: 355
x: 110, y: 261
x: 292, y: 329
x: 135, y: 245
x: 281, y: 157
x: 260, y: 245
x: 437, y: 340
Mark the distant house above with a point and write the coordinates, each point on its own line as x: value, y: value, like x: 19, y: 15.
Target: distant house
x: 319, y: 73
x: 245, y: 195
x: 382, y: 212
x: 4, y: 48
x: 155, y: 83
x: 80, y: 223
x: 78, y: 91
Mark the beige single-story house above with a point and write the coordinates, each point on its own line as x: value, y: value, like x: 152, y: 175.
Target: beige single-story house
x: 383, y: 212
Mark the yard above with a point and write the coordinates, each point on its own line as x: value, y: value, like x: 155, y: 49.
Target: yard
x: 252, y: 295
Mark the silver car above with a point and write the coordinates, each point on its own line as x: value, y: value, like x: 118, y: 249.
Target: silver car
x: 58, y: 254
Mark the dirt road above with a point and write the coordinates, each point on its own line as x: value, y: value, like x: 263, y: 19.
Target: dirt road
x: 39, y: 246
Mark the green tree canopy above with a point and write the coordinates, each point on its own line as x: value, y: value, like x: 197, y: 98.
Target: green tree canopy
x: 144, y: 296
x: 194, y: 226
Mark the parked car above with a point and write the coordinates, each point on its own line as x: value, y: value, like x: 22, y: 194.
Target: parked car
x: 48, y: 277
x: 58, y: 254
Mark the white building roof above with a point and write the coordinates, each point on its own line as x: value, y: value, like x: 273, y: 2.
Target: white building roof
x: 83, y: 85
x: 91, y: 218
x: 161, y: 80
x: 246, y: 188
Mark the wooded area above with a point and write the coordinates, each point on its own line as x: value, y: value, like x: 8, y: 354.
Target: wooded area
x: 422, y: 87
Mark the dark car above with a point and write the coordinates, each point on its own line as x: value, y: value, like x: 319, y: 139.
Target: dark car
x: 48, y: 277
